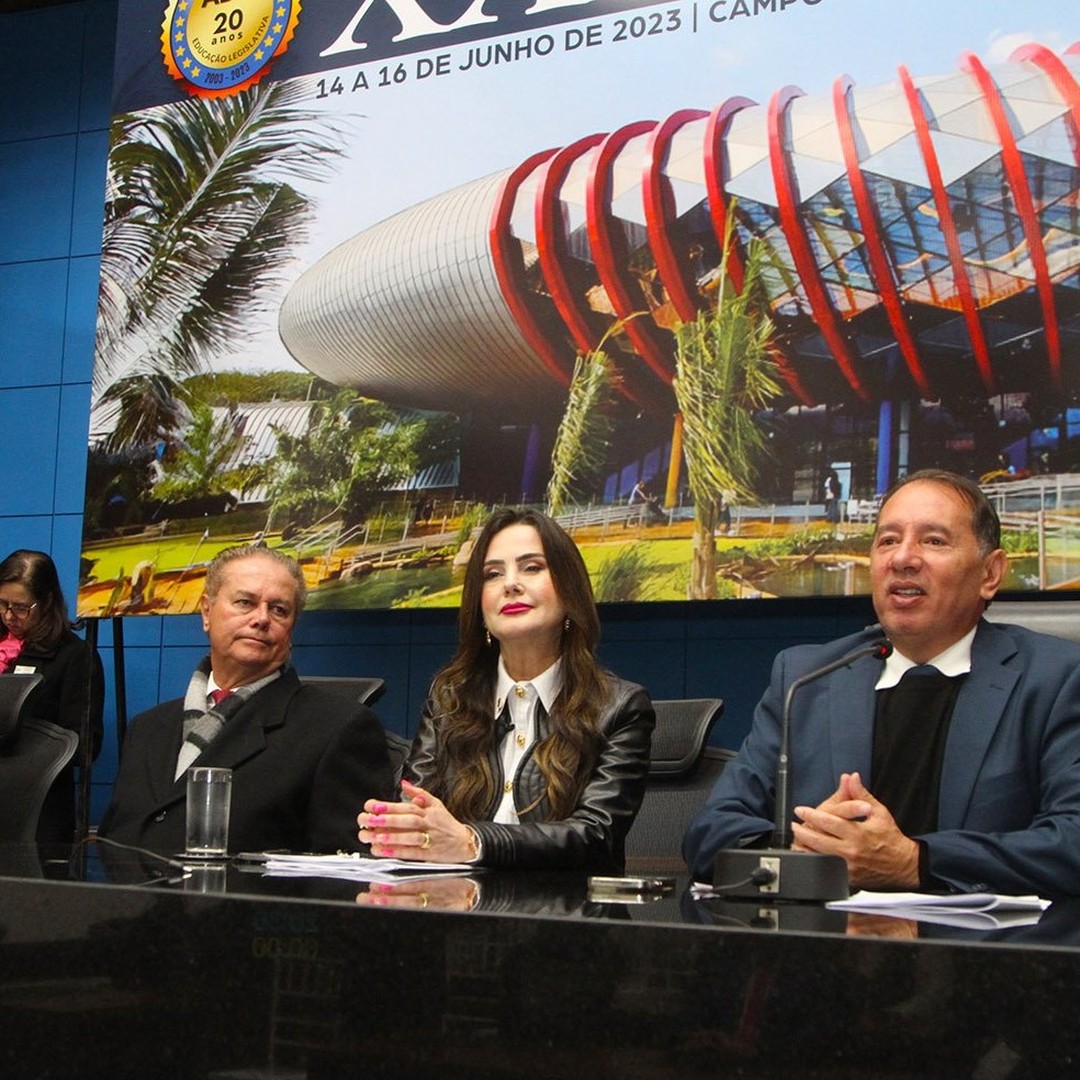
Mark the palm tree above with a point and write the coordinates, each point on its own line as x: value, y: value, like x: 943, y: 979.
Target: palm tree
x: 199, y: 217
x: 151, y: 407
x: 724, y: 374
x: 584, y: 434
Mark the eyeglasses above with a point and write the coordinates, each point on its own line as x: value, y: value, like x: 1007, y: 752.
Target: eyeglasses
x: 20, y: 611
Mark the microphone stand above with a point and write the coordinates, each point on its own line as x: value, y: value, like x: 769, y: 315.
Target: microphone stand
x: 777, y: 872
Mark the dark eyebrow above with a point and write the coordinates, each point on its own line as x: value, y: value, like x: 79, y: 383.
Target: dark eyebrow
x: 518, y: 559
x: 245, y: 594
x: 930, y: 526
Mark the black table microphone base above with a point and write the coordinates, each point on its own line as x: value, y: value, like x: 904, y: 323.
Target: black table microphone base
x: 779, y: 874
x: 761, y: 915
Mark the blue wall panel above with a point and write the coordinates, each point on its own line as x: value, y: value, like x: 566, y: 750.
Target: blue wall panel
x: 28, y: 448
x: 35, y: 531
x: 91, y: 156
x: 65, y: 544
x: 37, y: 185
x: 41, y: 64
x: 32, y: 317
x: 71, y: 459
x: 81, y: 312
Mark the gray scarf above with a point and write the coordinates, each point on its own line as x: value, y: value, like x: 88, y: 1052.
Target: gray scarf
x: 203, y: 723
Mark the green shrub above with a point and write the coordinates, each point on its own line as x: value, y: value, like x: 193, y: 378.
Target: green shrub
x: 624, y: 576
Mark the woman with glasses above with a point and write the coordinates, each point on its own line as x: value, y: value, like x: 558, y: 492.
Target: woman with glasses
x: 38, y: 638
x: 529, y: 754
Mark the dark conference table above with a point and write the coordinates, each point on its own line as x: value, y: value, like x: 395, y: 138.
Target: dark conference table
x: 112, y: 967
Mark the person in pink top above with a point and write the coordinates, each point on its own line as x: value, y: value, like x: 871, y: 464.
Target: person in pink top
x: 38, y: 638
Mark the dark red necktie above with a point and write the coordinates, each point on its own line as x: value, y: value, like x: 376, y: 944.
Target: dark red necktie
x: 218, y: 696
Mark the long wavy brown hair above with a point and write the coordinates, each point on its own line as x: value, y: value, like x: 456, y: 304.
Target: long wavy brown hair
x: 464, y: 690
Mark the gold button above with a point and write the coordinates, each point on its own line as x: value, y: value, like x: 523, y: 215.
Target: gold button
x: 519, y: 690
x: 508, y: 786
x: 521, y: 738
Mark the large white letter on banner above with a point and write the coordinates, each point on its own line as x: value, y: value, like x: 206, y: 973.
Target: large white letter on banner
x: 414, y: 23
x: 551, y: 5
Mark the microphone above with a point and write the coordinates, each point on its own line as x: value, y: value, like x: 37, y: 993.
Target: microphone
x: 781, y: 838
x: 777, y: 872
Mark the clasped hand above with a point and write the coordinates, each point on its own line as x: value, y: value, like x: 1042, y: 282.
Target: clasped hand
x: 421, y: 829
x: 446, y: 893
x: 853, y: 824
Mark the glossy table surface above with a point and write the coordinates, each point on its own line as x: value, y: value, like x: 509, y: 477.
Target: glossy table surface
x: 113, y: 964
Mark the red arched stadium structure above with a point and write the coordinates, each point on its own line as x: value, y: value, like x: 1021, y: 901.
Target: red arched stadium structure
x: 924, y: 241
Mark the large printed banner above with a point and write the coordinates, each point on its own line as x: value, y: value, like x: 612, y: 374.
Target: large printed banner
x: 701, y: 278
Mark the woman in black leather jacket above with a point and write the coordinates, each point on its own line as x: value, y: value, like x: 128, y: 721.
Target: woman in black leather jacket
x: 529, y: 754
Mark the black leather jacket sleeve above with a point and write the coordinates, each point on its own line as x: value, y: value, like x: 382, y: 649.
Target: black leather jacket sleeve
x: 593, y: 836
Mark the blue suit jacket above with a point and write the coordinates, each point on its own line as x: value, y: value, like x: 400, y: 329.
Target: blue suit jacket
x: 1009, y: 813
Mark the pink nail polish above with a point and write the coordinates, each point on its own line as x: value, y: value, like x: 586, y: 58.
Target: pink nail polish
x: 379, y: 808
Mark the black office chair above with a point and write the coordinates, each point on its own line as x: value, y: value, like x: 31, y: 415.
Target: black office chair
x: 682, y: 771
x: 14, y: 690
x: 367, y: 690
x: 32, y: 754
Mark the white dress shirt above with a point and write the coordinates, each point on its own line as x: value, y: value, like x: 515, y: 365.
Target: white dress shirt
x: 955, y: 660
x: 521, y: 699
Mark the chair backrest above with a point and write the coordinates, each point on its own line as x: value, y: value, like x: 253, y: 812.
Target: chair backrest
x: 29, y: 763
x: 1058, y: 617
x: 681, y: 734
x: 365, y: 689
x: 14, y: 690
x: 682, y: 771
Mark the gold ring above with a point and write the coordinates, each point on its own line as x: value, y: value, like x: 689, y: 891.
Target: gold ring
x: 426, y: 844
x: 423, y: 900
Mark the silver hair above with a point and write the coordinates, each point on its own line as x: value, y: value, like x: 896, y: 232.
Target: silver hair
x: 215, y: 573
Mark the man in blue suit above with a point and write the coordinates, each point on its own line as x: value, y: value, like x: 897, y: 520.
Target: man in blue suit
x: 960, y: 776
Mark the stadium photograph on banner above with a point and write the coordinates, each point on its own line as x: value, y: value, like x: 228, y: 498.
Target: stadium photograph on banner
x: 701, y: 279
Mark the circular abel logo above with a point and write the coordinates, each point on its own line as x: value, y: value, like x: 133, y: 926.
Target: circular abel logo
x: 217, y: 47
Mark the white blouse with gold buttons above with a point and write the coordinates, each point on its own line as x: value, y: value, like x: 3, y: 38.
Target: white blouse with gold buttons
x: 520, y: 700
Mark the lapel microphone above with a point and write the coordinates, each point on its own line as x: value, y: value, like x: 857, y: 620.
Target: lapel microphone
x: 503, y: 724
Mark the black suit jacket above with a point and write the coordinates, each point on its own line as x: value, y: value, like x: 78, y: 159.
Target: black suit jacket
x: 302, y: 767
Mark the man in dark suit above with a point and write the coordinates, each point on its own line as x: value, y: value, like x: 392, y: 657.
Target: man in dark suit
x: 964, y: 775
x: 302, y: 765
